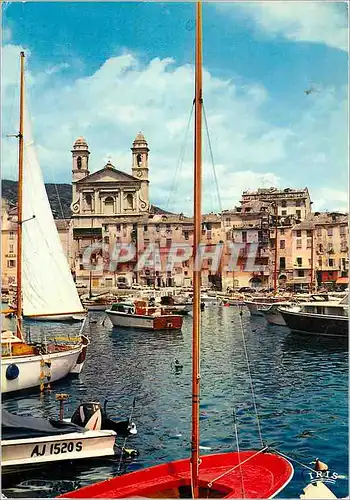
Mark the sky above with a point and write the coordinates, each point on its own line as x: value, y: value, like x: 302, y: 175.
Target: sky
x: 107, y: 70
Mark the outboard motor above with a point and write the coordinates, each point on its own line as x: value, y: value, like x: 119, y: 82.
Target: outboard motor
x: 88, y: 415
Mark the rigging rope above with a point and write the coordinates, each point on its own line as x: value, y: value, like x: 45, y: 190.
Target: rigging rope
x: 293, y: 459
x: 212, y: 160
x: 235, y: 423
x: 181, y: 158
x: 59, y: 200
x: 250, y: 376
x: 238, y: 450
x: 210, y: 484
x: 126, y: 437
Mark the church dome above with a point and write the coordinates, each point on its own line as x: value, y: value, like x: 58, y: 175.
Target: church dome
x: 80, y: 142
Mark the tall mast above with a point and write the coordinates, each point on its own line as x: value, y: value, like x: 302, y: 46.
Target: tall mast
x: 20, y: 200
x: 90, y: 272
x: 312, y: 261
x: 196, y: 243
x: 276, y: 251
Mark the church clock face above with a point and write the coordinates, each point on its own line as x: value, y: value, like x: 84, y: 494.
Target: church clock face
x: 139, y: 173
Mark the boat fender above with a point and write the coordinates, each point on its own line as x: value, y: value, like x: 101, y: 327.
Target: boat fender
x: 12, y: 372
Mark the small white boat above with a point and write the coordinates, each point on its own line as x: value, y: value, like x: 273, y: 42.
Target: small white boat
x: 256, y: 305
x: 24, y: 365
x: 210, y: 300
x: 317, y: 491
x: 30, y: 441
x: 98, y: 303
x: 273, y: 315
x: 139, y: 315
x: 173, y: 305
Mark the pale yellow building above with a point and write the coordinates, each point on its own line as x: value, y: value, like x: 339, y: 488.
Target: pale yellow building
x: 8, y: 244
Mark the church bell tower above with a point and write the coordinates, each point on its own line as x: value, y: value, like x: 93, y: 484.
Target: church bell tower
x: 140, y: 152
x: 80, y: 155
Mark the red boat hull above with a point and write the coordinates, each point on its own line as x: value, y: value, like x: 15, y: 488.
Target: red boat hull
x: 263, y: 475
x: 169, y: 322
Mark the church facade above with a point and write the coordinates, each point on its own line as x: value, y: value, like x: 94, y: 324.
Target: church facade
x: 109, y: 192
x: 111, y: 207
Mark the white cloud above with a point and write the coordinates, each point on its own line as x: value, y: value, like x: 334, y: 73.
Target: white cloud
x: 110, y: 106
x: 300, y: 21
x: 331, y: 199
x: 57, y: 68
x: 6, y: 35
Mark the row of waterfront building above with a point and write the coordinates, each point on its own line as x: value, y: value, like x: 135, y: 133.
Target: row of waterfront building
x: 288, y: 242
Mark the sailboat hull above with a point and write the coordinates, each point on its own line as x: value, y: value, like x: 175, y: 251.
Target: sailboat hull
x: 30, y: 368
x: 262, y: 475
x: 69, y: 318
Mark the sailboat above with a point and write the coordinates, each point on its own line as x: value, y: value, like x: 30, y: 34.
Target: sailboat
x: 45, y: 287
x: 241, y: 474
x: 44, y: 281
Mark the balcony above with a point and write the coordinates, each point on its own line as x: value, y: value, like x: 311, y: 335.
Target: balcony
x: 328, y: 268
x: 301, y: 266
x: 263, y: 253
x: 301, y: 279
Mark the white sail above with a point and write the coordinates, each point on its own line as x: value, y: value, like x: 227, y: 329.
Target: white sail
x: 47, y: 284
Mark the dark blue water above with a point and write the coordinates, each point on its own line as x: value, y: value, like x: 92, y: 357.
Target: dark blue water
x: 301, y: 386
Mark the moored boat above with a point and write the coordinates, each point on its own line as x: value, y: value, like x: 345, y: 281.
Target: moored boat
x: 29, y: 442
x: 328, y: 318
x: 255, y: 305
x: 45, y: 289
x: 100, y: 303
x: 27, y: 365
x: 140, y: 315
x: 219, y: 477
x: 172, y: 305
x: 273, y: 315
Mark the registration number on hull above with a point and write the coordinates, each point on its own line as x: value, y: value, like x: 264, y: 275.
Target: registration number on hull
x: 56, y: 448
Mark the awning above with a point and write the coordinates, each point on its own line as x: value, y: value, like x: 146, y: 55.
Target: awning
x: 344, y: 280
x: 87, y: 232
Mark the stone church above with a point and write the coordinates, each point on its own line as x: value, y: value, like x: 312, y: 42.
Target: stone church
x: 109, y: 192
x: 111, y: 207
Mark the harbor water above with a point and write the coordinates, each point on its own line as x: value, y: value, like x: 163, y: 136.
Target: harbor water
x: 300, y: 385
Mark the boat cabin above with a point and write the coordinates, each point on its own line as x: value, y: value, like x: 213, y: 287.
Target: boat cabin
x: 327, y: 308
x: 123, y: 307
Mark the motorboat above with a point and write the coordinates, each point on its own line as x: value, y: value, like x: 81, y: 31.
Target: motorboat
x: 210, y: 300
x: 272, y: 313
x: 274, y: 317
x: 256, y: 305
x: 28, y: 442
x: 99, y: 303
x: 140, y: 315
x: 172, y: 305
x: 327, y: 318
